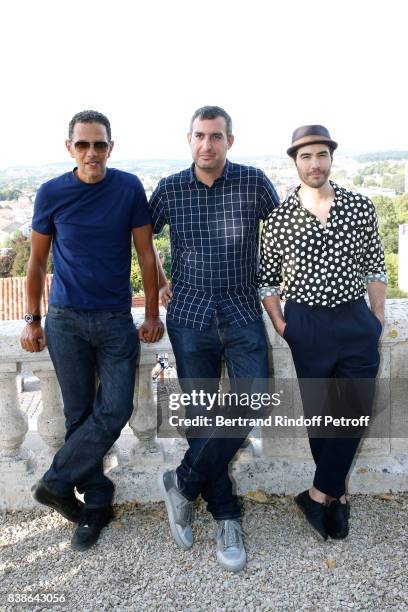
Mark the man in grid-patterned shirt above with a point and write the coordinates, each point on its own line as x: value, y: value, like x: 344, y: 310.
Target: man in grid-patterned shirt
x: 213, y: 209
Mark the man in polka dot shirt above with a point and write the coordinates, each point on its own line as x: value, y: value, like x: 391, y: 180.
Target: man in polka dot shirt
x: 321, y: 252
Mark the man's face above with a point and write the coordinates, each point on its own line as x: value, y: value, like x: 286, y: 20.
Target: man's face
x: 313, y: 163
x: 209, y: 143
x: 90, y: 148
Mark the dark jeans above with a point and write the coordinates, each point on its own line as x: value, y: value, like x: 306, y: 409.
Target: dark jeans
x: 338, y: 347
x: 86, y: 347
x: 204, y: 468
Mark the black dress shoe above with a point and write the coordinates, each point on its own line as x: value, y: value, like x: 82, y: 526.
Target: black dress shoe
x: 337, y: 520
x: 314, y: 513
x: 69, y: 506
x: 92, y: 522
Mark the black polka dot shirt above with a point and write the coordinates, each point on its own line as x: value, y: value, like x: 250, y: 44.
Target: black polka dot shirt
x: 321, y: 266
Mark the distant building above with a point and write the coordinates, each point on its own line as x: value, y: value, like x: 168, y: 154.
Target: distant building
x: 403, y: 257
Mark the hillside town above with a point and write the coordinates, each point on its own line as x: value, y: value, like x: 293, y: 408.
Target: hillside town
x: 386, y: 177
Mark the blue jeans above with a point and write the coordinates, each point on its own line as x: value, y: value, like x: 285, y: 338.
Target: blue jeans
x: 204, y: 468
x: 86, y: 347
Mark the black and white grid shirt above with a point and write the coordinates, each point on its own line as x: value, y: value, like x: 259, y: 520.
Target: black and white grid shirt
x: 323, y: 266
x: 214, y: 233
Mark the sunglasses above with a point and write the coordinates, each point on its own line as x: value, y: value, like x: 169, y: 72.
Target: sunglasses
x: 100, y: 146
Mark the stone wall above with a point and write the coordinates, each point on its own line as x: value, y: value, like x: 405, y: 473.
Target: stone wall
x: 277, y: 465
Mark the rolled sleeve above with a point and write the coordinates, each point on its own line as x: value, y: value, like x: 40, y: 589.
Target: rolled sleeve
x: 270, y: 269
x: 42, y: 221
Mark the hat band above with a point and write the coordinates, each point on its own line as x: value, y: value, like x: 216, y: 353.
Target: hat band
x: 310, y: 140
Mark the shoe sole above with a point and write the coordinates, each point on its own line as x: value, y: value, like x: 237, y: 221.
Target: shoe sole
x: 237, y: 568
x: 49, y: 504
x: 171, y: 517
x: 312, y: 530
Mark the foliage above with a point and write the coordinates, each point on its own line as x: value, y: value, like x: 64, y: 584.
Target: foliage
x: 358, y: 180
x: 391, y: 261
x: 162, y: 244
x: 395, y: 292
x: 21, y: 248
x: 6, y: 264
x: 135, y: 274
x: 394, y: 181
x: 9, y: 193
x: 381, y: 155
x: 388, y: 223
x: 401, y: 208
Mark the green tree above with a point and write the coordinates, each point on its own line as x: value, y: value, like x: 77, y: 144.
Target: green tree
x: 388, y: 223
x: 358, y: 180
x: 6, y: 264
x: 162, y: 244
x: 135, y: 275
x: 401, y: 207
x: 394, y: 181
x: 391, y: 261
x: 8, y: 193
x: 21, y: 246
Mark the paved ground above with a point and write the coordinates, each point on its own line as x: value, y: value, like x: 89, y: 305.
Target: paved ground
x: 137, y: 566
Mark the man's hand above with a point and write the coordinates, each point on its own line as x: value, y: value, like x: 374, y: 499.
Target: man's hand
x: 165, y: 294
x: 33, y: 338
x: 151, y: 330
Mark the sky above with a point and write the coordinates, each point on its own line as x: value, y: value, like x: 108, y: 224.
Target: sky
x: 273, y: 65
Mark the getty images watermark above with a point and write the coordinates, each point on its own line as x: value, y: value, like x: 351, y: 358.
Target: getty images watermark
x: 251, y: 401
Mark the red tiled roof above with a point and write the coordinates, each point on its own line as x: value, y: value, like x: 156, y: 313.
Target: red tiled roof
x: 13, y: 297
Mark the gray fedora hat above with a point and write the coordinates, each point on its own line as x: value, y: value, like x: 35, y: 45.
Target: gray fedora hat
x: 310, y: 134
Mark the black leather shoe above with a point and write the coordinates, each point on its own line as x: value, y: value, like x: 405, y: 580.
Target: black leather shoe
x: 314, y: 512
x: 90, y: 526
x: 337, y: 520
x: 69, y: 506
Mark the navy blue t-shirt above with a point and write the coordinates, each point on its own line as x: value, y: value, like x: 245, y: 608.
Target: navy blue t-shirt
x: 91, y: 228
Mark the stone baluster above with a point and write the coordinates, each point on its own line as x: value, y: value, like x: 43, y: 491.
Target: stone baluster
x: 13, y: 425
x: 51, y: 421
x: 143, y: 421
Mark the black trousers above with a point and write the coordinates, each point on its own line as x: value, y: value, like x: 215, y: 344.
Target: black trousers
x: 335, y: 352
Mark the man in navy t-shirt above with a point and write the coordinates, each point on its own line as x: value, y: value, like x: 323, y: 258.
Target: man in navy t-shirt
x: 89, y: 217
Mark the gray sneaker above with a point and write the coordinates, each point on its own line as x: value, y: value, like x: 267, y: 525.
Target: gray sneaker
x: 180, y: 510
x: 231, y: 553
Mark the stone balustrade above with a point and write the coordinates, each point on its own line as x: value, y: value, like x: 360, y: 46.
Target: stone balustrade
x: 280, y: 465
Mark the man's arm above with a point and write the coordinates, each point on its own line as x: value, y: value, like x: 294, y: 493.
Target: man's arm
x: 270, y: 277
x: 376, y: 293
x: 33, y: 337
x: 272, y: 306
x: 165, y: 293
x: 152, y: 328
x: 375, y: 270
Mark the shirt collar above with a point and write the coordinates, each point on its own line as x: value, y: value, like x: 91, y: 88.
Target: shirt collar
x: 225, y: 173
x: 294, y: 199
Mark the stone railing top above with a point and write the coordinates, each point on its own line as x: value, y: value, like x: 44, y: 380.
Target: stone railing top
x: 395, y: 330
